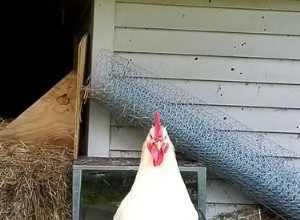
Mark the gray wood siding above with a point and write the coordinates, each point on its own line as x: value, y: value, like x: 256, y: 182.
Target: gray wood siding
x: 240, y: 57
x: 207, y: 43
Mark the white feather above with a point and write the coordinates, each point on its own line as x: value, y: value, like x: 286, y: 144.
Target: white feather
x: 158, y: 193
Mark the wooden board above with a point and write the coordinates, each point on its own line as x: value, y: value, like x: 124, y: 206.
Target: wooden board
x: 239, y: 94
x: 206, y: 19
x: 50, y: 120
x: 260, y: 120
x: 125, y: 153
x: 220, y: 191
x: 127, y: 138
x: 274, y: 5
x: 99, y: 117
x: 207, y: 43
x: 81, y: 64
x: 242, y: 94
x: 131, y: 139
x: 218, y: 68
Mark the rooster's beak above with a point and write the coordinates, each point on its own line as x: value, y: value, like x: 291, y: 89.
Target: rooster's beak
x: 157, y: 152
x: 158, y: 145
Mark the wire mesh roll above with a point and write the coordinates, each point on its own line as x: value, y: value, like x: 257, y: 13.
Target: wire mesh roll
x: 256, y: 165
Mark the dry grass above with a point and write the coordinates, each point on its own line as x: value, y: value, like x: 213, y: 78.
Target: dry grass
x: 3, y: 123
x: 249, y: 213
x: 35, y: 182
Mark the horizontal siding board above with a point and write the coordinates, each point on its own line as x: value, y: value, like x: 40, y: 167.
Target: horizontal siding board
x: 256, y: 119
x: 132, y: 138
x: 220, y: 191
x: 218, y: 68
x: 206, y: 19
x: 124, y: 153
x: 207, y: 43
x: 242, y: 94
x: 284, y: 5
x: 137, y: 154
x: 289, y: 141
x: 127, y: 138
x: 238, y: 94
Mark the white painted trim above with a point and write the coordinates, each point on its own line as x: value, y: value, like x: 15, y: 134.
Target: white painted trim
x: 99, y: 117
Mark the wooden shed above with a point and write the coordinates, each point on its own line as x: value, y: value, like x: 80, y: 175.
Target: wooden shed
x: 241, y: 57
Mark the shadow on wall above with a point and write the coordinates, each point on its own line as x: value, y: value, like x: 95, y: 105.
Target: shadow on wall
x: 37, y: 47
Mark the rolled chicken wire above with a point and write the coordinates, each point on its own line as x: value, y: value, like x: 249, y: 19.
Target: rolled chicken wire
x: 256, y: 165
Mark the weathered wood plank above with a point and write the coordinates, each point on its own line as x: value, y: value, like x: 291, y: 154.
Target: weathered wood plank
x: 289, y: 141
x: 131, y: 139
x: 206, y: 19
x: 81, y: 64
x: 218, y: 68
x: 284, y: 5
x: 242, y: 94
x: 124, y: 154
x: 128, y: 138
x: 220, y: 191
x: 99, y: 117
x: 256, y: 119
x: 103, y: 27
x: 50, y: 120
x: 207, y: 43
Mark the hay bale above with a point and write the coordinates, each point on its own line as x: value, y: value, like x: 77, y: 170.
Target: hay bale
x: 35, y: 182
x: 3, y: 123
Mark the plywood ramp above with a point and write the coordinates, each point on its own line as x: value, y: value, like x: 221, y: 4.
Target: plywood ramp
x: 55, y: 117
x: 50, y: 120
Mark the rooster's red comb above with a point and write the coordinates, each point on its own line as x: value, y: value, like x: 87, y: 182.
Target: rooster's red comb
x: 157, y: 127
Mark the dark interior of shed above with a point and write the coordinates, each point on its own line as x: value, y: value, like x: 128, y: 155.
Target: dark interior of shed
x: 38, y: 44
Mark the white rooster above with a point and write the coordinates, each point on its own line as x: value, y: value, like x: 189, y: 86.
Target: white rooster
x: 158, y: 192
